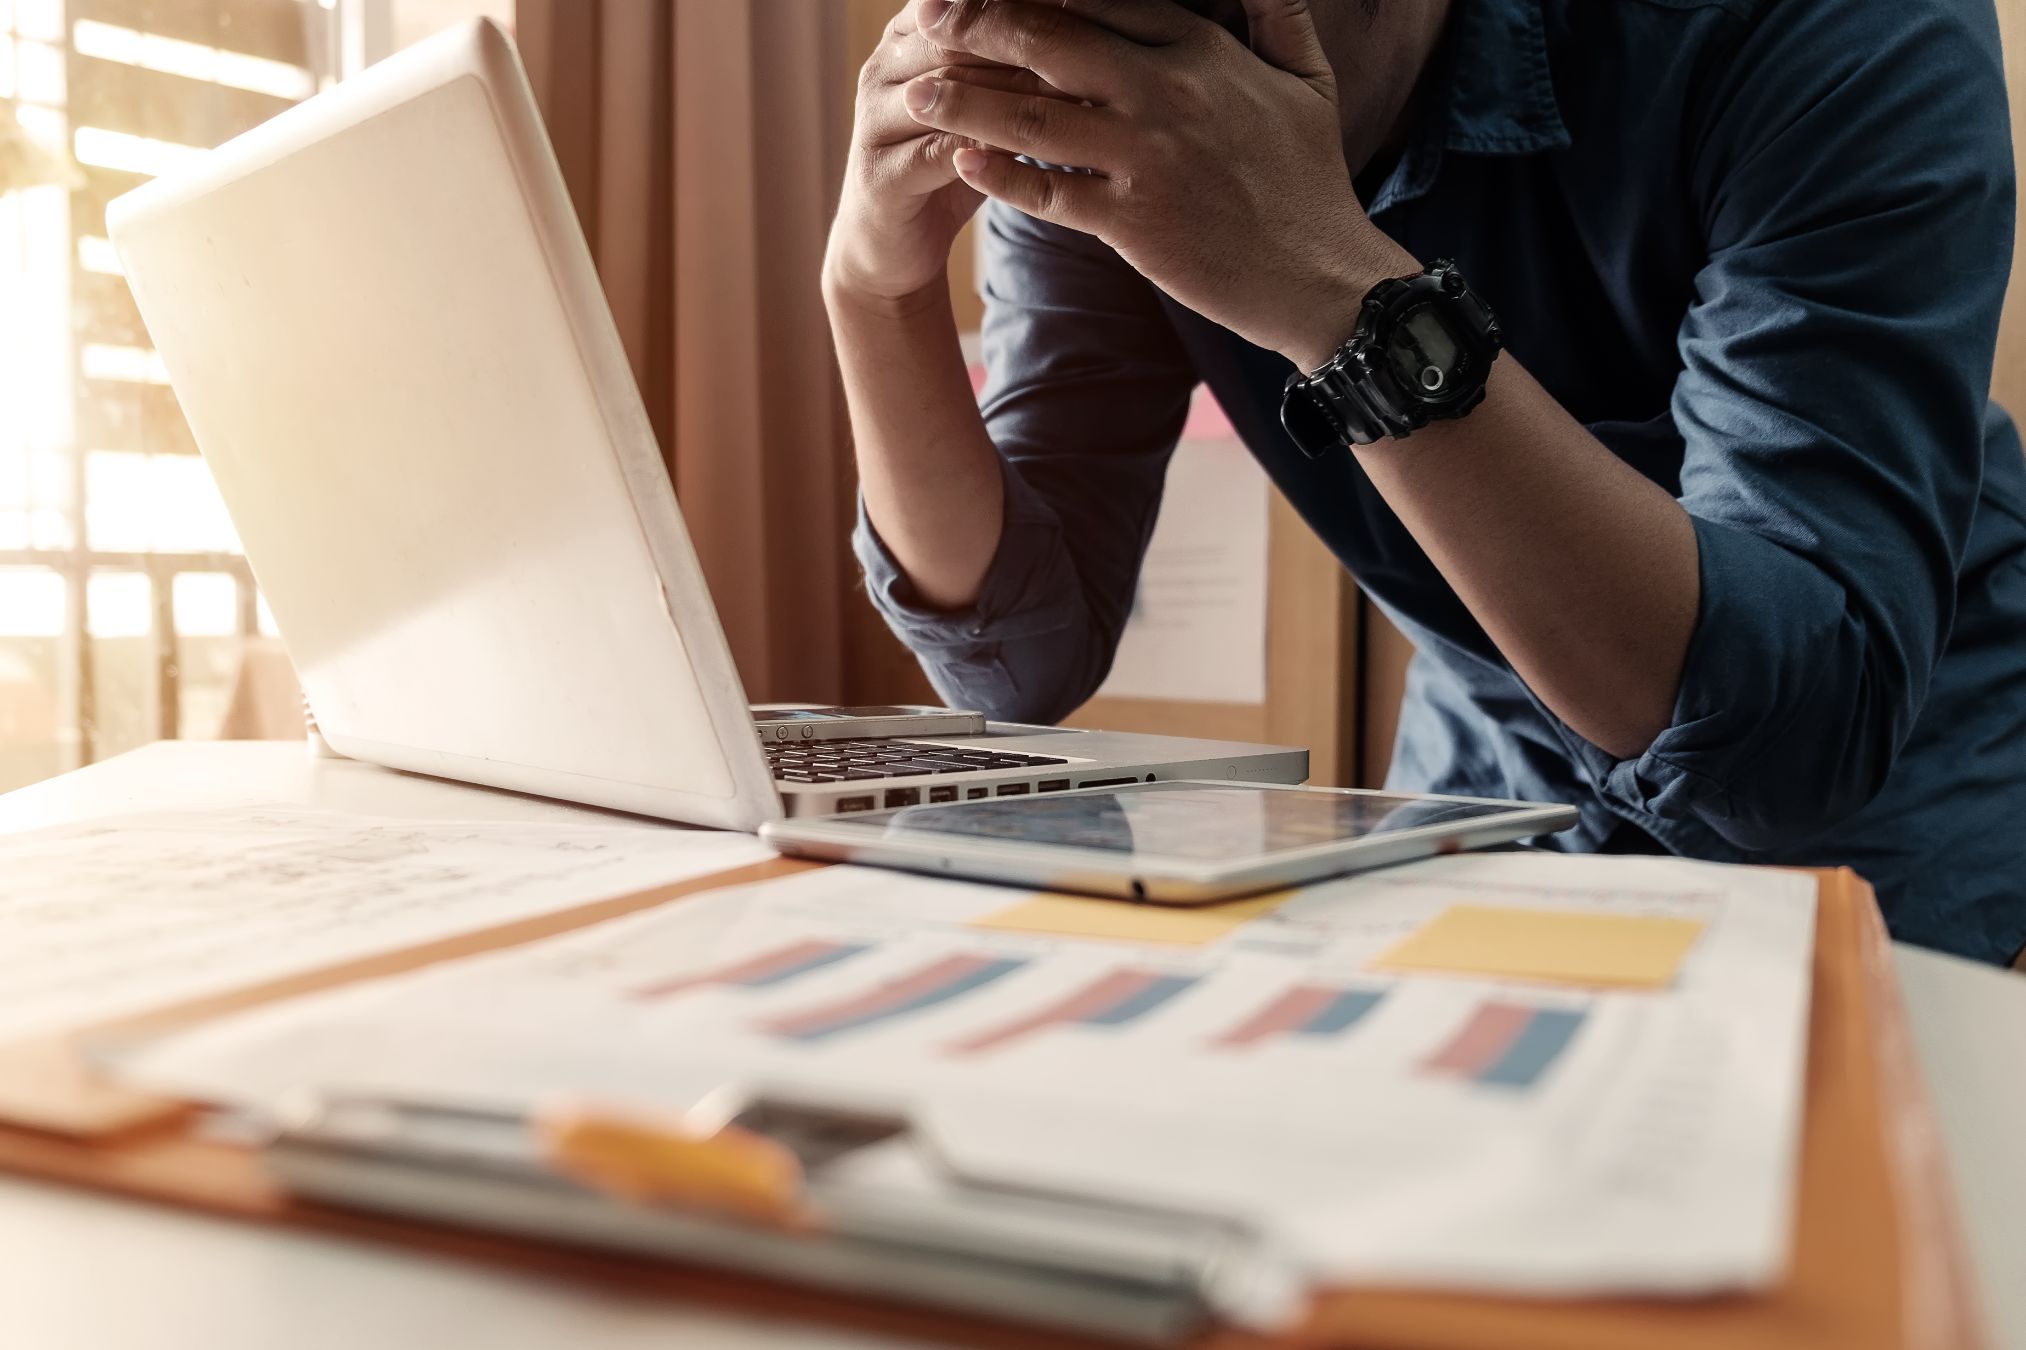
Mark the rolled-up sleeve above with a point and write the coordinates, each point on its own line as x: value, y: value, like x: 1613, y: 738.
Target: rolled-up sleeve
x: 1086, y: 393
x: 1856, y: 188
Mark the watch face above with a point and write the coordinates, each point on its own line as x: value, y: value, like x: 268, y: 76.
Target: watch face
x: 1426, y: 357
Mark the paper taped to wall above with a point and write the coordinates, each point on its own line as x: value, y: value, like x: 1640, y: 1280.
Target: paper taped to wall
x: 1197, y: 632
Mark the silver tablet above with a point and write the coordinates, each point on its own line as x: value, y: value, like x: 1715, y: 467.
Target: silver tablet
x: 1179, y: 843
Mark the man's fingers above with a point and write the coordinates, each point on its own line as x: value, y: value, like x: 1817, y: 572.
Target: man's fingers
x: 903, y: 58
x: 1051, y: 129
x: 885, y: 121
x: 1005, y: 79
x: 1283, y: 34
x: 1072, y: 53
x: 1151, y: 23
x: 918, y: 167
x: 1073, y: 200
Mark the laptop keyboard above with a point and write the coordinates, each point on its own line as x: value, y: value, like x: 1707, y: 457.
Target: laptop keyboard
x: 864, y: 761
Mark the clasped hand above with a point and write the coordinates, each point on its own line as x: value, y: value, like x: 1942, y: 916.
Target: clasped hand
x: 1216, y: 171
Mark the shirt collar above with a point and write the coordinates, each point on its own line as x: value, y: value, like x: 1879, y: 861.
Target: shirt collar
x: 1497, y: 95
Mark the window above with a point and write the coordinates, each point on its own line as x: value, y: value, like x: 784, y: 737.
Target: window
x: 125, y: 600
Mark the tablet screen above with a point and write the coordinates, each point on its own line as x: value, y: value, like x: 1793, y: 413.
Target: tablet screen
x: 1198, y: 822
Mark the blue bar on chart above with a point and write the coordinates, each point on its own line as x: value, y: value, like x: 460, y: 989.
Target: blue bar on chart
x: 1507, y: 1045
x: 764, y: 971
x: 1307, y: 1010
x: 1538, y: 1046
x: 940, y: 982
x: 1113, y: 1000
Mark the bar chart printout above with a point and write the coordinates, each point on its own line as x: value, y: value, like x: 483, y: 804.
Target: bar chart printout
x: 1308, y: 1011
x: 939, y: 982
x: 764, y: 971
x: 1506, y: 1045
x: 1114, y: 1000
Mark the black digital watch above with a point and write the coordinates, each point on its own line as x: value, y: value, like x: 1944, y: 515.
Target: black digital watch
x: 1422, y: 353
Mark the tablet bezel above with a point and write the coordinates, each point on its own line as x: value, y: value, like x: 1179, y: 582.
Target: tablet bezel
x: 1158, y: 878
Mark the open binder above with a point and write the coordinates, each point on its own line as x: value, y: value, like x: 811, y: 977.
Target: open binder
x: 1877, y: 1259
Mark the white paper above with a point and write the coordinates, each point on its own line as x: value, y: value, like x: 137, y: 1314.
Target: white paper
x: 1653, y: 1151
x: 133, y: 913
x: 1197, y: 632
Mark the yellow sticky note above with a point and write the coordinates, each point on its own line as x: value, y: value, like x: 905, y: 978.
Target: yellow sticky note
x: 1119, y: 921
x: 1624, y: 951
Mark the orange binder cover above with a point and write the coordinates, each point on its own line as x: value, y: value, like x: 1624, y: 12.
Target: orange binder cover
x: 1878, y: 1261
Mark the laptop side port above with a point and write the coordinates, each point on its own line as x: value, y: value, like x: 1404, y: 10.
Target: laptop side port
x: 849, y: 804
x: 1107, y: 782
x: 975, y: 794
x: 903, y: 797
x: 942, y: 794
x: 1052, y: 785
x: 1013, y: 790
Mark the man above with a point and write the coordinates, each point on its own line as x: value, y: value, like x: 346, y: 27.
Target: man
x: 1727, y: 546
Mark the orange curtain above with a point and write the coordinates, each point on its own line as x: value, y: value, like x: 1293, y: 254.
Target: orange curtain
x: 703, y: 141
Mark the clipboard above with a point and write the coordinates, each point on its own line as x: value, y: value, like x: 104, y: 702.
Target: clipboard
x: 766, y: 1185
x: 1878, y: 1259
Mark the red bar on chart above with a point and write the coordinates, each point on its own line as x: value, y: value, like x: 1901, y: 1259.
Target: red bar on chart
x: 939, y: 982
x: 1121, y: 997
x: 1482, y: 1042
x: 1290, y: 1011
x: 762, y: 971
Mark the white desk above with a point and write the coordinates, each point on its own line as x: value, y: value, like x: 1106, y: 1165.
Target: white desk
x: 79, y: 1272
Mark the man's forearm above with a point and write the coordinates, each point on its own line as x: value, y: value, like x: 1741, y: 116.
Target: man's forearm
x: 1584, y: 572
x: 929, y: 472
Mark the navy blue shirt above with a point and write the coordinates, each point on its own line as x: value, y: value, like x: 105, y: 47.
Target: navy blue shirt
x: 1759, y: 248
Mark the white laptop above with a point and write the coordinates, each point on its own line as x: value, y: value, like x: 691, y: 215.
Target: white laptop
x: 383, y: 324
